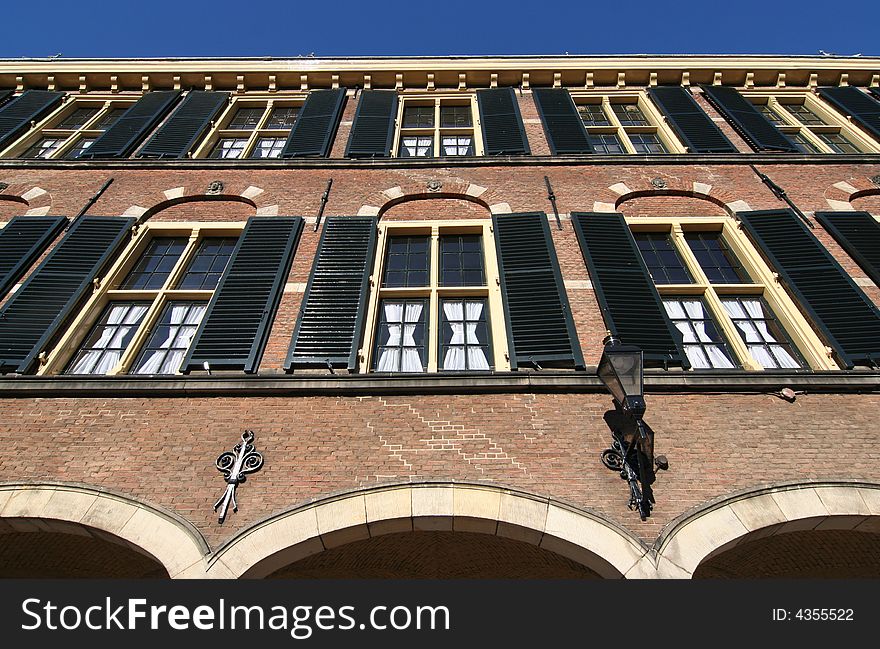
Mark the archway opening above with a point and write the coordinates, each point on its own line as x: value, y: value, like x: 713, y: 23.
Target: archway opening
x: 435, y: 555
x: 44, y: 549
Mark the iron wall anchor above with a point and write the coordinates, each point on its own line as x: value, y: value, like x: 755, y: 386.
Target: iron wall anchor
x: 235, y: 465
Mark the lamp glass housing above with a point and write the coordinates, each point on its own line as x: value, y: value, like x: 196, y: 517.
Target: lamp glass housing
x: 621, y: 370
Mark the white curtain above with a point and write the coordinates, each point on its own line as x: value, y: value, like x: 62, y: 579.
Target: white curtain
x: 417, y: 147
x: 121, y: 321
x: 392, y: 358
x: 181, y: 329
x: 463, y: 334
x: 456, y: 145
x: 693, y: 309
x: 750, y: 320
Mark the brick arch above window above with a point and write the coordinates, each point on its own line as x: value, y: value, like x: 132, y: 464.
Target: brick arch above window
x: 614, y: 197
x: 24, y: 199
x: 490, y: 200
x: 855, y: 193
x: 434, y: 206
x: 257, y: 200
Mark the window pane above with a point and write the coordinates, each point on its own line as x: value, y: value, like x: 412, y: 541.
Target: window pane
x: 606, y: 143
x: 406, y: 261
x: 461, y: 260
x: 593, y: 115
x: 418, y: 117
x: 630, y: 114
x: 109, y: 338
x: 771, y: 115
x: 170, y: 339
x: 109, y: 118
x: 804, y: 115
x: 716, y: 259
x: 662, y: 259
x: 838, y: 143
x: 268, y: 147
x: 646, y: 143
x: 401, y: 336
x: 208, y: 264
x: 44, y: 148
x: 416, y: 147
x: 80, y: 147
x: 703, y: 343
x: 246, y: 119
x: 156, y: 264
x: 282, y: 117
x: 77, y: 119
x: 229, y: 148
x: 768, y: 344
x: 464, y: 335
x: 458, y: 145
x: 802, y: 143
x: 455, y: 116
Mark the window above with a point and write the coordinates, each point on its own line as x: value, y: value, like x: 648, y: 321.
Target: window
x: 437, y: 126
x: 624, y: 124
x: 150, y: 304
x: 721, y: 297
x: 813, y: 127
x: 250, y: 128
x: 432, y: 308
x: 70, y: 132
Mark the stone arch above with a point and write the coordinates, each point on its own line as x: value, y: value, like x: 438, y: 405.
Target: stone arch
x: 840, y: 195
x: 438, y: 197
x: 711, y: 530
x: 169, y: 539
x: 581, y: 536
x: 615, y: 195
x: 36, y: 199
x: 255, y: 197
x: 457, y: 189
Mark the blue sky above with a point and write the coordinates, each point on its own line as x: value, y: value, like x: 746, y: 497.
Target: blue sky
x: 90, y: 28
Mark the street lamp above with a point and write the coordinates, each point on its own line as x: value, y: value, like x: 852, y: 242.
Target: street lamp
x: 621, y: 369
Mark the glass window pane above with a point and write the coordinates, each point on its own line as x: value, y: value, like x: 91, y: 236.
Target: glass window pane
x: 630, y: 114
x: 155, y: 265
x: 268, y: 147
x: 102, y: 349
x: 77, y: 119
x: 401, y: 337
x: 704, y: 344
x: 282, y: 118
x: 802, y: 143
x: 418, y: 117
x: 455, y: 116
x: 804, y: 115
x: 647, y: 143
x: 170, y: 339
x: 771, y: 115
x: 246, y: 119
x: 716, y: 259
x: 109, y: 118
x: 768, y: 343
x: 593, y: 115
x: 661, y: 258
x: 229, y: 148
x: 464, y: 339
x: 80, y: 147
x: 406, y: 261
x: 606, y: 143
x: 458, y: 145
x: 208, y: 264
x: 838, y: 143
x: 461, y: 260
x: 416, y: 147
x: 44, y: 148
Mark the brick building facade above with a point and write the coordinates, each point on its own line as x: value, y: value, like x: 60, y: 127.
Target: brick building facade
x: 359, y: 260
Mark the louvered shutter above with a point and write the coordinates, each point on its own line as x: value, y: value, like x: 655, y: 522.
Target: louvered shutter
x: 36, y: 311
x: 123, y: 136
x: 628, y: 299
x: 859, y: 234
x: 875, y: 92
x: 372, y: 133
x: 501, y: 123
x: 16, y: 115
x: 748, y: 120
x: 538, y: 317
x: 562, y: 124
x: 843, y: 314
x: 186, y: 126
x: 22, y: 241
x: 864, y: 109
x: 693, y: 126
x: 4, y: 95
x: 331, y: 318
x: 236, y: 324
x: 312, y: 134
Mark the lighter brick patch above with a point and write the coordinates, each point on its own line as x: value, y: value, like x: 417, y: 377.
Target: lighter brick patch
x: 175, y: 192
x: 368, y: 210
x: 500, y: 208
x: 702, y: 188
x: 738, y: 206
x: 604, y: 207
x: 620, y: 189
x: 839, y: 206
x: 252, y: 192
x: 38, y: 211
x: 578, y: 284
x: 393, y: 192
x: 295, y: 287
x: 475, y: 190
x: 269, y: 210
x: 31, y: 194
x: 845, y: 186
x: 134, y: 210
x: 864, y: 281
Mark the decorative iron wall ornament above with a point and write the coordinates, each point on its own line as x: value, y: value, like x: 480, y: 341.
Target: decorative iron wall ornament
x: 235, y: 465
x: 659, y: 183
x: 874, y: 179
x: 214, y: 188
x: 434, y: 185
x: 3, y: 186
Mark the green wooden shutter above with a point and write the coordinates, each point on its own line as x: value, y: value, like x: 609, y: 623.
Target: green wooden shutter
x: 562, y: 124
x: 864, y: 109
x: 17, y: 114
x: 372, y: 133
x: 693, y: 126
x: 845, y: 317
x: 330, y: 323
x: 501, y: 123
x: 4, y: 95
x: 236, y: 324
x: 628, y: 299
x: 748, y: 120
x: 859, y: 234
x: 186, y: 126
x: 35, y: 312
x: 123, y: 136
x: 539, y: 325
x: 312, y: 134
x: 22, y: 241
